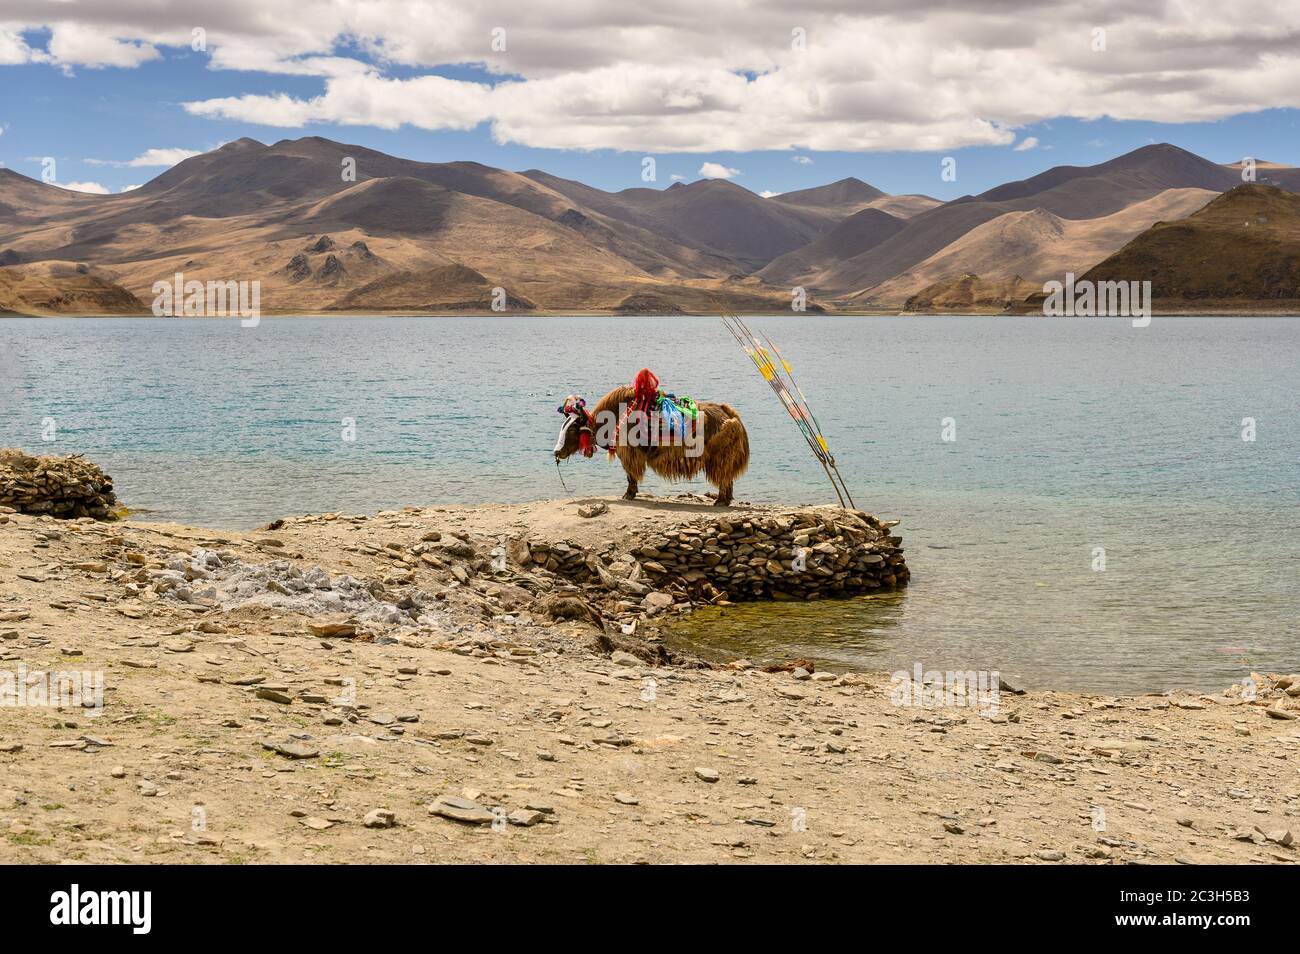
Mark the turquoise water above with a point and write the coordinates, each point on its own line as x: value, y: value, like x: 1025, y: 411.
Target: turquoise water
x: 1070, y: 435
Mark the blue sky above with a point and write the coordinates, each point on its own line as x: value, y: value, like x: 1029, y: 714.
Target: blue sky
x: 89, y: 118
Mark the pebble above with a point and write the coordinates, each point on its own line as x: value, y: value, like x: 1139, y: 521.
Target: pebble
x: 380, y: 818
x: 707, y: 774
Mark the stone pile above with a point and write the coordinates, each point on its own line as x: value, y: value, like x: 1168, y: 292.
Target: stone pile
x: 783, y: 555
x: 799, y: 554
x: 66, y: 487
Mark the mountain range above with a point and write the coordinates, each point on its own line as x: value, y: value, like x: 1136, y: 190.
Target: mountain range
x: 326, y: 226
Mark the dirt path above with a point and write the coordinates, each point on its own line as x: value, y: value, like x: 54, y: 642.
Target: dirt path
x: 240, y: 735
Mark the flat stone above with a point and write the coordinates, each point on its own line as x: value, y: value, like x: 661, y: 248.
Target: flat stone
x: 524, y: 818
x: 333, y: 630
x: 461, y: 809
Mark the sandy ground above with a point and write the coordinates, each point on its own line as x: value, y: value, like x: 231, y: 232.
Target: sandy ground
x: 242, y: 736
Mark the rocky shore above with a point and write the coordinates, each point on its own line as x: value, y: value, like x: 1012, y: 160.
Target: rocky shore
x: 489, y: 684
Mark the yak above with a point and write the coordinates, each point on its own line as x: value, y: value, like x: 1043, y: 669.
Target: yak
x: 719, y: 448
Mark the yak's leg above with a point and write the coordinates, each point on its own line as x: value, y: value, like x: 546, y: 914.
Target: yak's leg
x: 726, y: 455
x: 634, y: 466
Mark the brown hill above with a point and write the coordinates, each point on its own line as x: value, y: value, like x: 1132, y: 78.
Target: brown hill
x: 1243, y: 247
x: 860, y: 232
x: 1035, y: 245
x: 712, y: 215
x: 971, y: 293
x: 63, y: 288
x: 904, y: 206
x: 843, y: 197
x: 443, y: 288
x: 1071, y: 192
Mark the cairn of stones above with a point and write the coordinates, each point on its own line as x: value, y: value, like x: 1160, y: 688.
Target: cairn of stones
x: 796, y: 555
x: 784, y: 555
x: 66, y: 487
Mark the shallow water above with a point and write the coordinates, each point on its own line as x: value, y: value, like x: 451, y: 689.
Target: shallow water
x: 1071, y: 435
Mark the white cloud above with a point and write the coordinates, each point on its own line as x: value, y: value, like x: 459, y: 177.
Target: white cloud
x: 92, y: 187
x: 162, y: 157
x: 1029, y: 142
x: 150, y: 158
x: 13, y: 48
x: 678, y: 75
x: 427, y: 102
x: 76, y: 44
x: 129, y: 188
x: 716, y: 170
x: 803, y: 160
x: 768, y: 193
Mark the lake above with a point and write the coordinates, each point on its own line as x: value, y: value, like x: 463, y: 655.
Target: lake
x: 1077, y: 442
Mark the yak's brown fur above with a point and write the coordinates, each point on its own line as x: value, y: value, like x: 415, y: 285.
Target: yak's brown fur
x: 725, y: 457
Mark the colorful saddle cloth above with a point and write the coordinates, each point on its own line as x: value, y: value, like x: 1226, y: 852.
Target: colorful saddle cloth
x: 657, y: 418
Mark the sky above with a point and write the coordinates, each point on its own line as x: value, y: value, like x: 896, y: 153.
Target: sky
x: 775, y: 96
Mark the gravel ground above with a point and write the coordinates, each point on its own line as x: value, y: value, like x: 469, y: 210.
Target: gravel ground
x: 422, y: 714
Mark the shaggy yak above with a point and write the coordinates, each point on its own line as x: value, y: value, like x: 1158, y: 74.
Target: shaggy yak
x: 717, y: 444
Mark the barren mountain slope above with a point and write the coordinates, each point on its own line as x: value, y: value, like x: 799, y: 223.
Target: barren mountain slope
x: 1036, y: 245
x: 1071, y: 192
x: 807, y: 266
